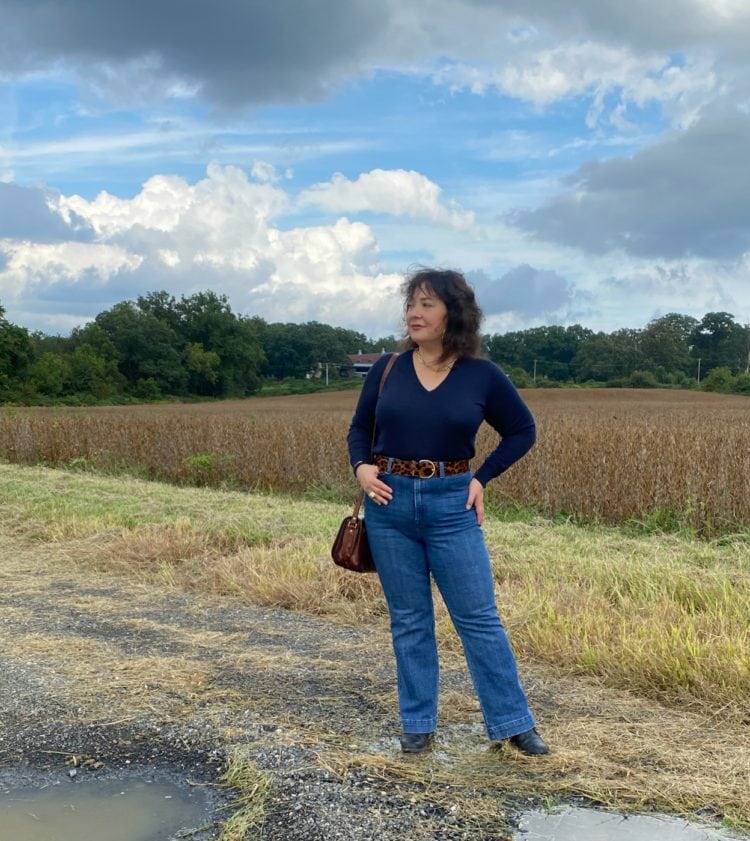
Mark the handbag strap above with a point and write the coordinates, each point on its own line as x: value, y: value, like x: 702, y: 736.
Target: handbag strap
x: 383, y: 377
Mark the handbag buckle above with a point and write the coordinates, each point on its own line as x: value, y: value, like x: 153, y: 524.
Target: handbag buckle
x: 428, y: 465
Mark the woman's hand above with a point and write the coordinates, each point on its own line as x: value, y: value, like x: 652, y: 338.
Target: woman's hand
x: 379, y: 492
x: 475, y: 499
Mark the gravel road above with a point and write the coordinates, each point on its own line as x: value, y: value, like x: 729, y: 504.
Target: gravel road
x: 109, y: 677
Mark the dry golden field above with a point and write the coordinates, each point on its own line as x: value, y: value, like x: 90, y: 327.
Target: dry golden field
x: 668, y: 457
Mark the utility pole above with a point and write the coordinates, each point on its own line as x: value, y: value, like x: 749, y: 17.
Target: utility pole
x: 535, y: 372
x: 699, y: 369
x: 326, y: 364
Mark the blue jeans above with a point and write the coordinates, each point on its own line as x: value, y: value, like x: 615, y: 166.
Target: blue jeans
x: 425, y: 531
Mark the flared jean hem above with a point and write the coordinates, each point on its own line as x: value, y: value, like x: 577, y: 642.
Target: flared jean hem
x: 419, y: 725
x: 512, y: 728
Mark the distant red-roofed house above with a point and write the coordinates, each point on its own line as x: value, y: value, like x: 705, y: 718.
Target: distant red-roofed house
x: 362, y: 362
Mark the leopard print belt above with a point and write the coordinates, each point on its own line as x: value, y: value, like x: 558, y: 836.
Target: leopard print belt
x: 421, y: 468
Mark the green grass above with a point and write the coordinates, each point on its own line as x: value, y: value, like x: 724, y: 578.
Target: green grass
x: 252, y: 788
x: 276, y: 388
x: 53, y: 503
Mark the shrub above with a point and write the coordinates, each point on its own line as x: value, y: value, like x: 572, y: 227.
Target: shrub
x: 720, y: 379
x: 642, y: 379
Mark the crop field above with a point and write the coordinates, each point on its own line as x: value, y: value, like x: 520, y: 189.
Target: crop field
x: 665, y: 458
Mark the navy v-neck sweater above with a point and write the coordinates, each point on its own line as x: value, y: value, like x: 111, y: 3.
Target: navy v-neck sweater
x: 441, y: 424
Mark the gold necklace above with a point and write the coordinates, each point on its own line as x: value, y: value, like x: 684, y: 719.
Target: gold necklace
x: 432, y: 366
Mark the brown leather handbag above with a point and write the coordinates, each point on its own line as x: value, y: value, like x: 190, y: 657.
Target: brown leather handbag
x: 351, y: 549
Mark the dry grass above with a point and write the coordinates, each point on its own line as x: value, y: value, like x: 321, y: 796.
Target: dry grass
x: 612, y: 747
x: 102, y: 650
x: 663, y: 615
x: 668, y: 457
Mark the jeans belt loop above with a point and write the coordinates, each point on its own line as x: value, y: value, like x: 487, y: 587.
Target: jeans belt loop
x: 390, y: 464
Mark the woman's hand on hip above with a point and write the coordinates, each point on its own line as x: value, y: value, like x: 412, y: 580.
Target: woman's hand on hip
x: 475, y: 499
x: 379, y: 492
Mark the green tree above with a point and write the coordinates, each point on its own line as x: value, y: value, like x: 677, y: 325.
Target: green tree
x: 549, y: 350
x: 163, y: 306
x: 205, y: 319
x: 147, y: 349
x: 720, y: 379
x: 295, y: 350
x: 287, y: 351
x: 612, y: 356
x: 330, y: 344
x: 16, y: 354
x: 642, y: 379
x: 719, y: 341
x: 665, y: 343
x: 745, y: 368
x: 203, y: 368
x: 358, y: 342
x: 94, y: 337
x: 50, y: 374
x: 95, y: 374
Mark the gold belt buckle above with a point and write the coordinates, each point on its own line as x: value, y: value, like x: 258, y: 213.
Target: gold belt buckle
x: 430, y: 465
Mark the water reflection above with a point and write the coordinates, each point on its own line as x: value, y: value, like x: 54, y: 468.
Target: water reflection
x: 102, y: 811
x: 574, y: 824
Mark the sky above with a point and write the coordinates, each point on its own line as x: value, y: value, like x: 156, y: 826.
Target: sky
x: 584, y: 162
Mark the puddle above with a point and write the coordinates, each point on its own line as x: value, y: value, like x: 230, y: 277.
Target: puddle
x: 575, y: 824
x: 96, y: 810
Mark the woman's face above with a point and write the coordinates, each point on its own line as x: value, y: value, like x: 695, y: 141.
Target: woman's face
x: 426, y: 316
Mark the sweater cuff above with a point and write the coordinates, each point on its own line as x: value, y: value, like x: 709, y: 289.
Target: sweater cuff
x: 483, y: 476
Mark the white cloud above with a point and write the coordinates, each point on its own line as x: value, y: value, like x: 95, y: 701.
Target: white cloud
x: 397, y: 192
x: 597, y: 70
x: 692, y: 287
x: 27, y: 265
x: 263, y: 171
x: 169, y: 257
x: 158, y: 206
x: 220, y: 233
x: 224, y: 207
x: 331, y: 274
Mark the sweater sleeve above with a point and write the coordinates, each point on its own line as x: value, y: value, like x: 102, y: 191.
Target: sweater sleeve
x: 359, y: 439
x: 506, y: 412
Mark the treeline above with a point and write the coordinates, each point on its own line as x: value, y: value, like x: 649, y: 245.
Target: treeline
x: 672, y: 351
x: 158, y: 346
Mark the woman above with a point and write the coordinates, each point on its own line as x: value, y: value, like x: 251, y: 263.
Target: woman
x: 424, y: 507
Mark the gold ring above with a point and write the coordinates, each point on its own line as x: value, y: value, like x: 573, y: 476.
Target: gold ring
x: 371, y: 494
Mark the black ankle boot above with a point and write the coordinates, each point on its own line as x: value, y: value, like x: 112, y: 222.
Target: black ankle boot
x: 530, y: 743
x: 416, y: 742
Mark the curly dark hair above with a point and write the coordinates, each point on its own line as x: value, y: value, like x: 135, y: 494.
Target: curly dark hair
x: 462, y: 337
